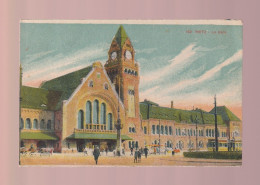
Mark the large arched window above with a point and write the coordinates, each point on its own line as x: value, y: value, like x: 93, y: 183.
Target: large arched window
x: 170, y: 130
x: 162, y: 129
x: 95, y: 112
x: 28, y: 124
x: 35, y: 124
x: 166, y: 130
x: 103, y: 113
x: 21, y: 124
x: 157, y: 129
x: 88, y: 112
x: 49, y: 125
x: 109, y: 121
x: 153, y: 129
x: 80, y: 119
x: 42, y: 124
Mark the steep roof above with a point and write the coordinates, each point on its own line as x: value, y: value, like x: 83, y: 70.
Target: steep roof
x: 121, y: 36
x: 226, y: 114
x: 66, y: 84
x: 38, y: 98
x: 178, y: 115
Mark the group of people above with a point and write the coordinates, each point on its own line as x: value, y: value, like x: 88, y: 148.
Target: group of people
x: 138, y: 153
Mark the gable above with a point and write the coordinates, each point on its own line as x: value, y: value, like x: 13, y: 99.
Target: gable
x: 99, y: 78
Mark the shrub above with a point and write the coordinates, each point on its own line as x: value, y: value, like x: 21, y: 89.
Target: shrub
x: 214, y: 155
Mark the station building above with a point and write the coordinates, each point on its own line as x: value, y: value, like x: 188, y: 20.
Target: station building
x: 80, y: 109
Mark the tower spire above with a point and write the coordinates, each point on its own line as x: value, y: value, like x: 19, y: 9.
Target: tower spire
x: 121, y: 36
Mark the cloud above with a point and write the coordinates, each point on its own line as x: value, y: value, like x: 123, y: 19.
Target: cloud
x: 58, y: 64
x: 36, y: 56
x: 187, y: 55
x: 207, y: 75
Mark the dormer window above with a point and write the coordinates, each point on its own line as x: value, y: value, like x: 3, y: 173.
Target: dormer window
x: 91, y: 83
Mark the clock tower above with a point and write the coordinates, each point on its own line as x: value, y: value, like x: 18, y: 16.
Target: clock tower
x: 123, y: 71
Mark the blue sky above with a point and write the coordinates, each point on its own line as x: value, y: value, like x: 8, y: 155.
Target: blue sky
x: 188, y: 68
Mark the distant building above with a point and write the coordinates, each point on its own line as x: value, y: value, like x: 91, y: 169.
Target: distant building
x: 79, y: 110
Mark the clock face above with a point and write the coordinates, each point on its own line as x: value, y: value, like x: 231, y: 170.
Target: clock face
x: 128, y: 55
x: 113, y: 55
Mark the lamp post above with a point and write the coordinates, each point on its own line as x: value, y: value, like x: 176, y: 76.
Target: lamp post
x: 159, y: 137
x: 216, y: 124
x: 118, y: 124
x: 196, y: 122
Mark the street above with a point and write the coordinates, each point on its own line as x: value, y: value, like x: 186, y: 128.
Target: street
x: 152, y: 160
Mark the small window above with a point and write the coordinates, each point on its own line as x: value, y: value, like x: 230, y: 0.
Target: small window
x: 133, y: 130
x: 145, y: 130
x: 91, y: 83
x: 106, y: 86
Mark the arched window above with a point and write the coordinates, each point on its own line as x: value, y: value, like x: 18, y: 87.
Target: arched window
x: 49, y: 125
x: 179, y: 131
x: 21, y: 124
x: 133, y: 144
x: 35, y: 124
x: 80, y: 119
x: 133, y: 129
x: 106, y: 86
x: 170, y: 130
x: 213, y: 133
x: 136, y: 144
x: 157, y: 129
x: 103, y: 114
x: 129, y: 144
x: 162, y: 129
x: 42, y: 124
x: 109, y: 121
x: 28, y: 124
x: 88, y: 112
x: 166, y: 130
x: 153, y: 129
x: 95, y: 112
x: 207, y: 133
x: 91, y: 83
x: 145, y: 130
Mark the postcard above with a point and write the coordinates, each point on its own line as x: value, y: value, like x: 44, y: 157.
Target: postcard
x: 131, y: 93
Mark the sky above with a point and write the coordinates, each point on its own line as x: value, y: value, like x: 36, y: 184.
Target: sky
x: 187, y: 64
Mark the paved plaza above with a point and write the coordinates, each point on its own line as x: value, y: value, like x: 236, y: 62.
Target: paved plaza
x: 152, y: 160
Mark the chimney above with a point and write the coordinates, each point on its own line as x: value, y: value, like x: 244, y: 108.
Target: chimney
x: 172, y: 104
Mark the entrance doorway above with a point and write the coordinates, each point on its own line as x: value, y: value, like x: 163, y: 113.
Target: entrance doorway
x: 81, y: 145
x: 41, y: 144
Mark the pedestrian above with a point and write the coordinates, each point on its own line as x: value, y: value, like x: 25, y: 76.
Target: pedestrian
x: 139, y: 155
x: 123, y: 151
x: 146, y: 152
x: 96, y: 154
x: 154, y: 150
x: 135, y: 156
x: 106, y: 150
x: 131, y: 149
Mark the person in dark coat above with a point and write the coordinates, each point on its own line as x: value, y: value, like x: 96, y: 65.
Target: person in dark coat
x: 146, y: 151
x: 139, y: 155
x: 136, y: 156
x: 96, y: 154
x: 131, y: 149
